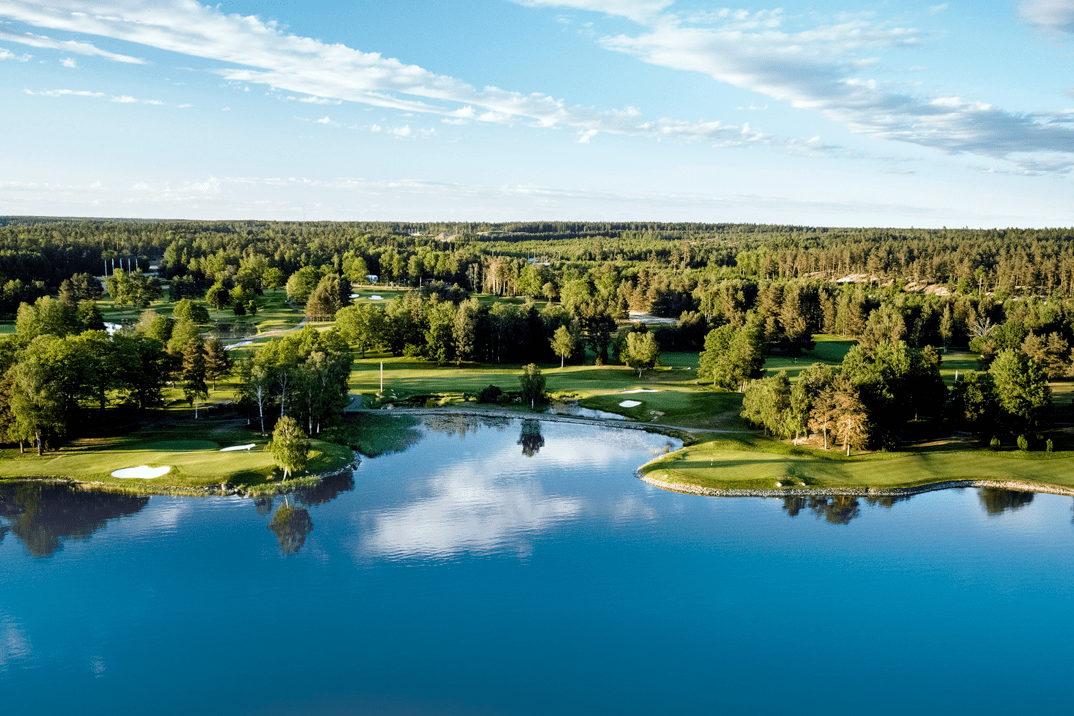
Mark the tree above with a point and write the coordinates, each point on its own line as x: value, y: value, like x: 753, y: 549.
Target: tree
x: 362, y: 325
x: 301, y: 284
x: 272, y: 278
x: 562, y: 344
x: 289, y: 446
x: 218, y: 296
x: 532, y: 384
x: 217, y: 360
x: 185, y: 308
x: 767, y: 402
x: 642, y: 351
x: 733, y: 356
x: 46, y: 316
x: 1022, y: 393
x: 193, y: 374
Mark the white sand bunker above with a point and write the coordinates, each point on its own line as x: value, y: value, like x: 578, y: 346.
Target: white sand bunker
x: 375, y: 297
x: 630, y: 404
x: 639, y: 390
x: 142, y: 472
x: 238, y: 447
x: 354, y: 295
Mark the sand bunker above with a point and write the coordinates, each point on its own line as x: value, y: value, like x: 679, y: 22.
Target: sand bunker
x: 354, y: 295
x: 375, y: 297
x: 238, y: 345
x: 630, y: 404
x: 639, y: 390
x: 142, y: 472
x: 238, y: 447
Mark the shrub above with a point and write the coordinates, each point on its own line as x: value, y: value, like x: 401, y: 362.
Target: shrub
x: 1048, y: 446
x: 490, y: 394
x: 995, y: 444
x: 1023, y: 442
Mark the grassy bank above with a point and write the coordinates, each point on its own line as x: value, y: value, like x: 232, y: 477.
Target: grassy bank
x: 756, y: 463
x: 191, y: 449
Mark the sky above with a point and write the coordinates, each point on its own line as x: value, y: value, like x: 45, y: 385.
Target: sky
x: 851, y: 113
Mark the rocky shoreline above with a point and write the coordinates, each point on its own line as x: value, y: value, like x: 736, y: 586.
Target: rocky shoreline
x: 1017, y: 485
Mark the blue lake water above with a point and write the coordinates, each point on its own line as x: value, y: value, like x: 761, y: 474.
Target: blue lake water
x: 501, y: 568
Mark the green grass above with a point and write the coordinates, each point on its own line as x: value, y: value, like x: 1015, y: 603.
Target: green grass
x: 753, y: 463
x: 6, y: 328
x: 191, y: 449
x: 677, y: 399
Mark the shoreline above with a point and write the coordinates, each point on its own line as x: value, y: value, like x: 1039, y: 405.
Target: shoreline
x: 1016, y: 485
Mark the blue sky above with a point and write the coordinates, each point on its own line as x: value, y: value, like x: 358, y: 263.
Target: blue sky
x: 856, y: 113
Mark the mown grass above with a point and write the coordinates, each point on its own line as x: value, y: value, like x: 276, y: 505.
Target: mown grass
x: 752, y: 463
x: 677, y: 398
x: 192, y: 450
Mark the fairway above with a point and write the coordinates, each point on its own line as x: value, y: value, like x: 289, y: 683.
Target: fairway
x: 195, y: 460
x: 754, y: 463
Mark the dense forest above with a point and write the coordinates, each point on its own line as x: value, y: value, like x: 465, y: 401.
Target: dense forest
x: 736, y: 292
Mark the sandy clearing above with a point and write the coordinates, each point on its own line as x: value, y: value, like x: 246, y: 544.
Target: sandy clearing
x: 630, y: 404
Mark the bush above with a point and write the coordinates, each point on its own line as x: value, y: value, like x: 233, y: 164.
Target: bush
x: 1049, y: 446
x: 1023, y: 442
x: 995, y: 444
x: 490, y: 394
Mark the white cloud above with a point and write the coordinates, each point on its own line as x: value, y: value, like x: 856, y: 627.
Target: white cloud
x: 324, y: 120
x: 6, y: 54
x: 637, y: 10
x: 81, y: 48
x: 933, y: 9
x: 816, y: 69
x: 267, y: 55
x: 68, y: 62
x: 65, y: 93
x: 1052, y: 15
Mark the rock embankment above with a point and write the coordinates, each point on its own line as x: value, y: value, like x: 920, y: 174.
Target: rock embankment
x: 1018, y: 485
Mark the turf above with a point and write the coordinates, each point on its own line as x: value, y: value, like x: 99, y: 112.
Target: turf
x: 758, y: 463
x: 195, y: 457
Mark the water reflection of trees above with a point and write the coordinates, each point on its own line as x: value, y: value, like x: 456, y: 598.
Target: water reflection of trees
x: 461, y: 425
x: 996, y: 501
x: 42, y: 515
x: 836, y: 509
x: 328, y: 489
x: 291, y: 524
x: 530, y: 438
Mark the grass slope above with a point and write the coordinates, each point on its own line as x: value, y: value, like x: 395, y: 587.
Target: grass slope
x: 755, y: 463
x: 191, y: 449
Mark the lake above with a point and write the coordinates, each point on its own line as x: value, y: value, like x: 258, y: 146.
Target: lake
x: 510, y: 567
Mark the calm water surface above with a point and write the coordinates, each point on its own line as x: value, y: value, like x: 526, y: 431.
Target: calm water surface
x: 519, y: 568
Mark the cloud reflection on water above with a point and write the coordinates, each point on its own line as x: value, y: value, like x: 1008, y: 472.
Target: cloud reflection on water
x: 500, y: 499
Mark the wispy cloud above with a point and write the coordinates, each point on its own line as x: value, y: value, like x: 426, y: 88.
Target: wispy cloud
x: 637, y: 10
x: 819, y: 69
x: 267, y: 55
x: 6, y: 54
x: 68, y: 62
x: 81, y: 48
x: 1051, y: 15
x: 933, y: 9
x: 65, y: 93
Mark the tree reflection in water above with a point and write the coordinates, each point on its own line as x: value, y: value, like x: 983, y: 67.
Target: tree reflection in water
x: 996, y: 501
x: 291, y: 525
x: 42, y: 515
x: 530, y: 438
x: 835, y: 509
